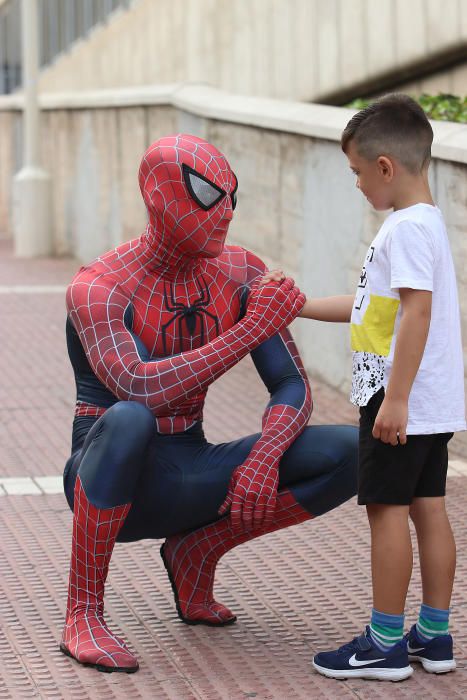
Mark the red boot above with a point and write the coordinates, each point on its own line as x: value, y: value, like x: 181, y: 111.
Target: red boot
x: 191, y: 559
x: 86, y: 637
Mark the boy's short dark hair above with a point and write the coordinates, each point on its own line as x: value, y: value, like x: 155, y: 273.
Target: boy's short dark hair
x: 395, y: 125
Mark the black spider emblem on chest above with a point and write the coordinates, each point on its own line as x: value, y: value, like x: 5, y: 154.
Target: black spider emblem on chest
x: 188, y: 316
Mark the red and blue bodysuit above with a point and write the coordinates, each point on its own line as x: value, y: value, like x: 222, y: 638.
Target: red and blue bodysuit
x: 150, y: 326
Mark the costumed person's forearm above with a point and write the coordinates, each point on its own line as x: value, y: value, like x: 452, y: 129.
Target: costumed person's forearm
x: 282, y: 424
x: 290, y: 406
x: 252, y: 492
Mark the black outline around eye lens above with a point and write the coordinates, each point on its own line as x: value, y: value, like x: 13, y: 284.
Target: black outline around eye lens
x: 187, y: 171
x: 233, y: 194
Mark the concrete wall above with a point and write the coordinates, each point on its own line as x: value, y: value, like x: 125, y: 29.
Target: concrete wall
x: 297, y: 201
x: 293, y: 49
x: 453, y: 81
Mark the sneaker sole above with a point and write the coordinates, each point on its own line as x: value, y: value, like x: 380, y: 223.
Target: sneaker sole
x: 378, y: 674
x: 435, y: 666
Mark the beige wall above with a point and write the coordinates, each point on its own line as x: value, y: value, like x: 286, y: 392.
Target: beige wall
x: 294, y: 49
x: 453, y: 81
x: 297, y: 202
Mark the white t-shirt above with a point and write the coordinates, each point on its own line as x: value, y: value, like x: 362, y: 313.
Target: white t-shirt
x: 410, y: 250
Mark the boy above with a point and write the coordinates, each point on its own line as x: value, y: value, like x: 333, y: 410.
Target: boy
x: 408, y: 382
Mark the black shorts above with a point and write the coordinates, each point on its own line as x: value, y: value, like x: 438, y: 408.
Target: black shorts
x: 396, y: 474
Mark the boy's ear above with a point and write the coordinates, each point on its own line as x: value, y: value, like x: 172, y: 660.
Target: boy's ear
x: 385, y: 167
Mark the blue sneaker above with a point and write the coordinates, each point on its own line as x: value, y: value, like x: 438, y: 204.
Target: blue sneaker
x: 435, y: 656
x: 361, y: 658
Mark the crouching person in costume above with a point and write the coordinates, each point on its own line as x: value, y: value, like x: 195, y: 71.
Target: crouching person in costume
x: 150, y: 326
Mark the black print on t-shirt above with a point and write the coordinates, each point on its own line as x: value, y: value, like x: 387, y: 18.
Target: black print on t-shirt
x: 360, y: 298
x: 368, y: 376
x: 358, y: 305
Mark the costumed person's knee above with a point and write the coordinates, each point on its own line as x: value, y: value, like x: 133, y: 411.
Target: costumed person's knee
x: 346, y: 459
x: 69, y: 478
x: 131, y: 419
x: 113, y: 455
x: 336, y: 452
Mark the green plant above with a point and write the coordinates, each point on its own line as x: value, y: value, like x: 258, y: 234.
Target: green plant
x: 442, y: 107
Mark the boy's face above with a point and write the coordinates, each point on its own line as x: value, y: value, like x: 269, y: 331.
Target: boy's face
x: 374, y: 178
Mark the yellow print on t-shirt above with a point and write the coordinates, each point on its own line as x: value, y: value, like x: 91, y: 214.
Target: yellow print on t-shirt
x: 374, y: 334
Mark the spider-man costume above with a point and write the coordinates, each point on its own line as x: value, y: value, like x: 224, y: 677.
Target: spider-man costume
x: 150, y: 326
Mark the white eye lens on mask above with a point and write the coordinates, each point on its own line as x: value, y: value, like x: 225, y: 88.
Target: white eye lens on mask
x: 205, y: 193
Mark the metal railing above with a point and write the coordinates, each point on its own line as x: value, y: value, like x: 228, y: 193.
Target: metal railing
x: 61, y: 22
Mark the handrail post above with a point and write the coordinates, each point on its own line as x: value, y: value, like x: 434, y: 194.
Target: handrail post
x: 31, y: 186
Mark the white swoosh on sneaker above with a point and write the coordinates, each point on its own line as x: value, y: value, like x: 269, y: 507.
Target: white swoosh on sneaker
x: 413, y: 651
x: 355, y: 662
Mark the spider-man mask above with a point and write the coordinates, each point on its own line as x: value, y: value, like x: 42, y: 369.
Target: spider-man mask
x: 190, y: 193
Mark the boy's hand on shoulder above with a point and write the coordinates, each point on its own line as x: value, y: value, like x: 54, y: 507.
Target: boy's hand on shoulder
x: 391, y: 422
x: 272, y: 276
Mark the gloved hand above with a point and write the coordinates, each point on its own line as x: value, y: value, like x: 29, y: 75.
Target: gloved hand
x: 272, y: 307
x: 252, y: 492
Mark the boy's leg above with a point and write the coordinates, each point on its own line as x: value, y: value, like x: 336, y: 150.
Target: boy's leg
x: 429, y: 641
x: 391, y: 556
x: 380, y: 652
x: 387, y: 480
x: 437, y: 550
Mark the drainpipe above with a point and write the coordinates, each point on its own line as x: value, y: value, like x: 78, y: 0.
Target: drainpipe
x: 32, y: 221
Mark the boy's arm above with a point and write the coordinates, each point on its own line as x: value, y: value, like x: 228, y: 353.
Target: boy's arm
x: 335, y: 309
x: 391, y: 421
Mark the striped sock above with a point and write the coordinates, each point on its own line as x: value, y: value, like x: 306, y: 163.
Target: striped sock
x: 386, y: 630
x: 432, y: 622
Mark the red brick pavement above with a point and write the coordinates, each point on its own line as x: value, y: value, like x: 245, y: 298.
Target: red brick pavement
x: 295, y: 592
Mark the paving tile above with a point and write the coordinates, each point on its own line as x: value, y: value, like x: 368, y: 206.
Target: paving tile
x: 33, y: 289
x: 49, y: 484
x: 20, y: 486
